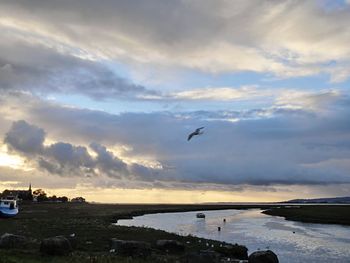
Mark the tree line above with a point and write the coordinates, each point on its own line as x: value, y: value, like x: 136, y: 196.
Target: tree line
x: 40, y: 196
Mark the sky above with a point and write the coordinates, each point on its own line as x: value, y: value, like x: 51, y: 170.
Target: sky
x: 97, y: 99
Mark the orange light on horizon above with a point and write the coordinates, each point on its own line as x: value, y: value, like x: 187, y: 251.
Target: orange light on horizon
x: 145, y: 196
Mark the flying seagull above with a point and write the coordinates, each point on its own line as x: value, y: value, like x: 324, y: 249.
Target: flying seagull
x: 196, y: 132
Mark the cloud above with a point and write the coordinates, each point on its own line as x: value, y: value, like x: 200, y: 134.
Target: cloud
x: 309, y: 100
x: 66, y: 159
x: 45, y: 70
x: 277, y: 145
x: 219, y: 94
x: 107, y: 162
x: 286, y: 39
x: 25, y: 138
x: 291, y: 137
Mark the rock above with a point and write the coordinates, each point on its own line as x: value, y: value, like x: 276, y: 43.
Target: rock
x: 233, y: 251
x: 171, y: 246
x: 56, y: 246
x: 13, y: 241
x: 130, y: 248
x: 203, y: 256
x: 266, y: 256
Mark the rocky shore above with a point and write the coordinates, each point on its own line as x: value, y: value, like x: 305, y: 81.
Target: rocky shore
x: 163, y: 250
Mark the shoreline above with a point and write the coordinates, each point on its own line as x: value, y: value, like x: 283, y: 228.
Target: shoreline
x: 93, y: 226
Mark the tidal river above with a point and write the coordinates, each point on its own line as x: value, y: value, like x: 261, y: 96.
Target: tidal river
x: 292, y: 241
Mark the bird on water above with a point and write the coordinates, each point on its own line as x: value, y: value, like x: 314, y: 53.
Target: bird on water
x: 196, y: 132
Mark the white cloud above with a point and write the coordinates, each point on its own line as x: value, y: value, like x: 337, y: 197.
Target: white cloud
x: 220, y: 93
x: 288, y: 38
x: 316, y: 101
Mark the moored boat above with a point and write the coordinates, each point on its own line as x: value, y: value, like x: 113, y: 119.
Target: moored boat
x: 8, y: 207
x: 200, y: 215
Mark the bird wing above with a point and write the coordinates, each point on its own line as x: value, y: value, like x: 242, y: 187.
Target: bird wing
x: 190, y: 136
x: 198, y: 130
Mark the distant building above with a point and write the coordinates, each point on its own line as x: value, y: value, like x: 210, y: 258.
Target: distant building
x: 19, y: 194
x: 78, y: 200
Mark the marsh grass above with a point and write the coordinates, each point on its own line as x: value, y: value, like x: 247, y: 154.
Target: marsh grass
x: 324, y: 214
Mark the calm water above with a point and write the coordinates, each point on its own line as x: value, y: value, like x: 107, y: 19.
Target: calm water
x: 309, y: 242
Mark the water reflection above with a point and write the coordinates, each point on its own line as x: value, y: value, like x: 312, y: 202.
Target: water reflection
x: 292, y: 241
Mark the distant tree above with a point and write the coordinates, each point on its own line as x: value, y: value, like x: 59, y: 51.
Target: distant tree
x: 53, y: 198
x: 40, y: 195
x: 38, y: 192
x: 63, y: 199
x: 78, y: 200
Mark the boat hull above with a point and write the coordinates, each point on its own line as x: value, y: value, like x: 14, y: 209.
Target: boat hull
x: 200, y: 215
x: 8, y: 213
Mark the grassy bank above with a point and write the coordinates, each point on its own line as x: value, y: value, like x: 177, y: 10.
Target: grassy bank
x: 325, y: 214
x: 91, y: 221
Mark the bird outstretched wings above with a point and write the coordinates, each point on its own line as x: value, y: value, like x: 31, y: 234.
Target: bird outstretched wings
x: 196, y: 132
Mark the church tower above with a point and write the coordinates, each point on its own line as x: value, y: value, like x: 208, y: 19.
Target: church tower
x: 30, y: 193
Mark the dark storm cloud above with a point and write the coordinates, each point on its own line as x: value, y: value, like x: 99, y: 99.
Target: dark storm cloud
x: 108, y: 162
x: 25, y: 138
x: 65, y: 152
x: 141, y: 172
x: 64, y: 158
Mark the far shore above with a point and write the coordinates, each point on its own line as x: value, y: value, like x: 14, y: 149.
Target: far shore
x: 320, y: 214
